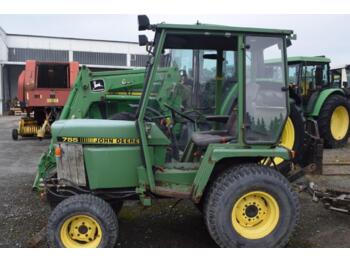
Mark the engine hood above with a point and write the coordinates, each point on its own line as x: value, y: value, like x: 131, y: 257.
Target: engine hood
x: 94, y: 128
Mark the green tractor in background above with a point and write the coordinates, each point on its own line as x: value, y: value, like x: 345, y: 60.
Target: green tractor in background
x: 311, y: 89
x: 202, y: 132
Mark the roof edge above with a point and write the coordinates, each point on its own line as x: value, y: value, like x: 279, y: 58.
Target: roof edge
x: 71, y: 38
x: 320, y: 59
x: 200, y: 26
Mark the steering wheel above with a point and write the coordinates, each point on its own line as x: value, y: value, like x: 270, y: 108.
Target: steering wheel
x: 175, y: 111
x: 156, y: 113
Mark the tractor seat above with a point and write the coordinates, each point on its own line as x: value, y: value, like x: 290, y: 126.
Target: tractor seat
x: 211, y: 137
x: 204, y: 138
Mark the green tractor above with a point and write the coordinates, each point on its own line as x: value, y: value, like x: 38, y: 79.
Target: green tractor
x: 157, y: 150
x: 116, y: 94
x: 311, y: 89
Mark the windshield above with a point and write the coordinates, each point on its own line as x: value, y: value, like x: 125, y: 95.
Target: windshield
x: 309, y: 80
x: 266, y: 96
x: 310, y: 71
x: 293, y: 74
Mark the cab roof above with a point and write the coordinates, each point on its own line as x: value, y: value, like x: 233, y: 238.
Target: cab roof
x: 213, y: 27
x: 317, y: 59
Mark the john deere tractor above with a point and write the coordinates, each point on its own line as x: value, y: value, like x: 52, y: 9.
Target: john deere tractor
x: 116, y: 94
x: 311, y: 89
x: 157, y: 151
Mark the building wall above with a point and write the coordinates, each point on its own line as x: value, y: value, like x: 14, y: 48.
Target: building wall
x: 1, y: 88
x: 73, y: 44
x: 10, y: 80
x: 3, y: 45
x: 3, y: 57
x: 91, y: 52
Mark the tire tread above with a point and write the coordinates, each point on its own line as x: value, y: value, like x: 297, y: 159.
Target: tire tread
x: 90, y: 203
x: 233, y: 175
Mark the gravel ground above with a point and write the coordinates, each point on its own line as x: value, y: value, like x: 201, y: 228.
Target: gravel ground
x: 166, y: 224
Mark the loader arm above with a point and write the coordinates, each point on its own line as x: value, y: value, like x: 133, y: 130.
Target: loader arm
x: 115, y: 85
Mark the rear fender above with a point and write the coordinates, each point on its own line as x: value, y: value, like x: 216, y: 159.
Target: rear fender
x: 217, y: 152
x: 314, y: 108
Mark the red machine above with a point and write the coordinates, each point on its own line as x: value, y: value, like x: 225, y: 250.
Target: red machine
x: 43, y: 88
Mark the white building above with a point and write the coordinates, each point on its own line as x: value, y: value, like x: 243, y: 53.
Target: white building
x: 15, y: 49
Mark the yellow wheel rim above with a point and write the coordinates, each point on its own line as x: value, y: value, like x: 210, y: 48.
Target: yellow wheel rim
x: 255, y: 215
x: 80, y: 231
x: 339, y: 122
x: 287, y: 138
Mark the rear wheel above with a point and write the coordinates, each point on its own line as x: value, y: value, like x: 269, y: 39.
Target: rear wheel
x: 334, y: 120
x: 82, y: 221
x: 292, y: 137
x: 251, y: 206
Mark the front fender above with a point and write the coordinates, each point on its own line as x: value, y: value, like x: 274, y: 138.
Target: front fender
x: 315, y: 107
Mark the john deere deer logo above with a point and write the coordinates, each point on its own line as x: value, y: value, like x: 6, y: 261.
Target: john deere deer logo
x: 97, y: 85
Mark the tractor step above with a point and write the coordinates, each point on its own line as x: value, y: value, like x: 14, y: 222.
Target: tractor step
x: 174, y: 191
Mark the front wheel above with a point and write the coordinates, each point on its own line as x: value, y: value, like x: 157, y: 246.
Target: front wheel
x: 251, y: 206
x: 82, y: 221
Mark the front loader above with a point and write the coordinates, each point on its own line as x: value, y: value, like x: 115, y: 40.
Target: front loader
x: 158, y: 151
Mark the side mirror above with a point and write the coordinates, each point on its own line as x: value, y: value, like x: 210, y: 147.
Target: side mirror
x: 143, y: 40
x: 345, y: 84
x: 143, y: 22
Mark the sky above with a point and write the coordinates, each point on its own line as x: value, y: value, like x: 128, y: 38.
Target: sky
x: 316, y: 34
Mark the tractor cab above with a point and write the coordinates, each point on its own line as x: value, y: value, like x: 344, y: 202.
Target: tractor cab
x: 307, y: 75
x: 211, y: 113
x: 229, y: 86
